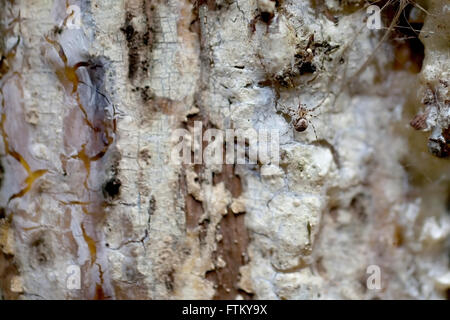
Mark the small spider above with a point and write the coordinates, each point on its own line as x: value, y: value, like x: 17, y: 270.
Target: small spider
x: 299, y: 118
x: 301, y: 122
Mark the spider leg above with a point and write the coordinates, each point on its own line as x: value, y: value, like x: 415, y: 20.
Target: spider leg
x: 278, y: 103
x: 291, y: 113
x: 320, y: 103
x: 313, y: 115
x: 314, y: 128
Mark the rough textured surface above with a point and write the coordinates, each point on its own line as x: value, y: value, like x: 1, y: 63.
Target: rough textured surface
x: 87, y: 179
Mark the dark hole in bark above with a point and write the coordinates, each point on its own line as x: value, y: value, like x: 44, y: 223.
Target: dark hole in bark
x: 307, y: 67
x: 266, y: 17
x: 112, y: 188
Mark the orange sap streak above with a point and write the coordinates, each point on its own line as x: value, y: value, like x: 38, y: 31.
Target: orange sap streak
x: 99, y: 293
x: 83, y: 110
x: 67, y: 75
x: 80, y: 203
x: 29, y: 183
x: 91, y: 245
x: 32, y: 176
x: 12, y: 53
x: 59, y: 49
x: 86, y: 162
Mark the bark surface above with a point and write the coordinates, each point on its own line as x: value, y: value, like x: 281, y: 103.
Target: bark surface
x: 88, y: 185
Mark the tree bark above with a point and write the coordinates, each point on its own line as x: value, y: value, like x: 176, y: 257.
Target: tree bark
x: 90, y: 191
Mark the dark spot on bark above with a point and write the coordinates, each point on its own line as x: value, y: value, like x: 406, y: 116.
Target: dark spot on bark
x: 306, y: 67
x: 266, y: 17
x: 150, y: 211
x: 128, y: 30
x: 325, y: 46
x: 398, y: 236
x: 358, y: 205
x: 145, y: 156
x: 169, y: 280
x: 139, y: 43
x: 130, y: 36
x: 112, y: 188
x: 308, y: 227
x: 40, y: 251
x: 151, y: 205
x: 57, y: 30
x: 146, y: 94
